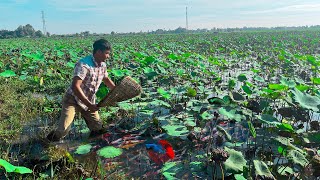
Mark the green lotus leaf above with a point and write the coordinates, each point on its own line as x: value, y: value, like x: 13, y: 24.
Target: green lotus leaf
x: 297, y: 158
x: 235, y: 162
x: 302, y: 87
x: 247, y: 89
x: 170, y: 169
x: 239, y: 177
x: 285, y: 127
x: 206, y: 116
x: 180, y: 72
x: 259, y: 78
x: 282, y: 150
x: 148, y: 60
x: 237, y: 96
x: 316, y: 81
x: 285, y: 170
x: 176, y: 130
x: 278, y: 87
x: 287, y: 143
x: 313, y: 137
x: 189, y: 121
x: 242, y: 77
x: 11, y: 168
x: 109, y: 152
x: 269, y: 119
x: 217, y: 101
x: 7, y: 166
x: 307, y: 101
x: 262, y: 169
x: 224, y: 132
x: 117, y: 72
x: 70, y: 64
x: 287, y: 82
x: 231, y: 84
x: 8, y: 73
x: 231, y: 113
x: 83, y: 149
x: 191, y: 92
x: 164, y: 93
x: 252, y: 129
x: 172, y: 56
x: 22, y: 170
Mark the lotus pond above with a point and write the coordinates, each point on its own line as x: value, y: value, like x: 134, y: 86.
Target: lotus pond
x: 242, y: 105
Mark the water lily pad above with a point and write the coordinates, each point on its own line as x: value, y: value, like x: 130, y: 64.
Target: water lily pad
x: 83, y: 149
x: 307, y: 101
x: 235, y: 162
x: 262, y: 169
x: 110, y: 152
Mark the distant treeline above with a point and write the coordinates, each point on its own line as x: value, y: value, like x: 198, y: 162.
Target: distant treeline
x: 181, y: 30
x: 213, y: 30
x: 28, y: 31
x: 21, y: 31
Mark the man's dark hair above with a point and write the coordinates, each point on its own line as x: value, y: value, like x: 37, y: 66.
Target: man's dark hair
x: 102, y: 45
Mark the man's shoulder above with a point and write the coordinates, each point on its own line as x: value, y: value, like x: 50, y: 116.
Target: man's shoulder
x: 87, y: 61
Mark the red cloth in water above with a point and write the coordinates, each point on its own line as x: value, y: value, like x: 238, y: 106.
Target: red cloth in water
x: 159, y: 158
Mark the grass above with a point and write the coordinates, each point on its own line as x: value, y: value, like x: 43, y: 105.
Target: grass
x: 24, y: 101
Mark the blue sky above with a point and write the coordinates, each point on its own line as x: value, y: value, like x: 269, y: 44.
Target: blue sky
x: 104, y: 16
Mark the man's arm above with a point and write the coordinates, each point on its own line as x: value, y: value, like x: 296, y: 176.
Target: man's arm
x: 109, y: 83
x: 76, y: 82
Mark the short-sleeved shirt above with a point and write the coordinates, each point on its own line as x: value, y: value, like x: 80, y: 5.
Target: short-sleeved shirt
x: 92, y: 75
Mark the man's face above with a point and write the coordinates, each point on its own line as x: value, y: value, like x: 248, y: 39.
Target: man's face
x: 104, y: 55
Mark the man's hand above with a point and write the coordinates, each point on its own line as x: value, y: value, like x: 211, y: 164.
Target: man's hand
x: 93, y: 107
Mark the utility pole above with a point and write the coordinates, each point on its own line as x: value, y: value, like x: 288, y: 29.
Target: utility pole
x: 187, y: 17
x: 44, y: 24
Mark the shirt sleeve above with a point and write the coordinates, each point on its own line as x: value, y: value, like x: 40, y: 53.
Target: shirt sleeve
x: 80, y: 70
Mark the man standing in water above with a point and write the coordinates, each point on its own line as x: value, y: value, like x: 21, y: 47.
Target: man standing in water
x: 80, y: 97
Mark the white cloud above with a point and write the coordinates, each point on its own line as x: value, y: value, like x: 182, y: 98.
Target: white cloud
x: 292, y: 8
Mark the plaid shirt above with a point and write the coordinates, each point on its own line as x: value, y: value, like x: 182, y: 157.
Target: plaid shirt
x: 92, y: 75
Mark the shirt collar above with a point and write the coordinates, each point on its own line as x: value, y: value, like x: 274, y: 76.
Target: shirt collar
x: 94, y: 61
